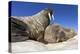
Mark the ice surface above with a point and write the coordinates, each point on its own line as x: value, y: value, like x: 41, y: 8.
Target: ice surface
x: 30, y: 45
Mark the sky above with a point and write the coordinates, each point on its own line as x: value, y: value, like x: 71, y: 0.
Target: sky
x: 64, y: 14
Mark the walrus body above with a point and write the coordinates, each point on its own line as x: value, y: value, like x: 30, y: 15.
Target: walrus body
x: 55, y: 33
x: 37, y: 24
x: 37, y: 27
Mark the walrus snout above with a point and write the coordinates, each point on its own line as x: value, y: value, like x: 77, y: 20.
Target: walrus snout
x: 47, y: 11
x: 50, y: 15
x: 50, y: 12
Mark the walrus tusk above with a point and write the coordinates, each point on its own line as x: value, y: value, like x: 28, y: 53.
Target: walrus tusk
x: 51, y: 17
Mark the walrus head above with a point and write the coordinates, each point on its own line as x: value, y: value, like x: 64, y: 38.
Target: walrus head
x: 49, y: 13
x: 44, y: 17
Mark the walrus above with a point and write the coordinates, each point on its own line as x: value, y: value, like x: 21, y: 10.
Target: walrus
x: 37, y: 24
x: 54, y: 33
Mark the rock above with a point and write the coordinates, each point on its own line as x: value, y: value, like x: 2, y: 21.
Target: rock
x: 55, y: 33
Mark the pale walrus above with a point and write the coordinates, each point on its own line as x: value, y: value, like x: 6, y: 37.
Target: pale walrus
x: 55, y: 33
x: 37, y: 23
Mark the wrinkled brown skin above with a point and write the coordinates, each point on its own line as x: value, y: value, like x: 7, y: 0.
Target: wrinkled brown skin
x: 37, y: 24
x: 55, y: 33
x: 37, y: 27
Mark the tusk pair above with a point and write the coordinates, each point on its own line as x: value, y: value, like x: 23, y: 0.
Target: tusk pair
x: 51, y: 18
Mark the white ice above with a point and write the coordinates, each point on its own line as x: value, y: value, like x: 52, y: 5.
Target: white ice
x: 30, y: 45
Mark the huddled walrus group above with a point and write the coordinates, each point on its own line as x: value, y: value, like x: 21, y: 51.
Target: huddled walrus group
x: 37, y: 27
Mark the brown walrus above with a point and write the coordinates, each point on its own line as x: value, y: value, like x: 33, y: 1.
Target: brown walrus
x: 55, y: 33
x: 37, y: 24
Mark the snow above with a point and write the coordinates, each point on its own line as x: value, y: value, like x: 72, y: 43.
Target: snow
x: 30, y: 45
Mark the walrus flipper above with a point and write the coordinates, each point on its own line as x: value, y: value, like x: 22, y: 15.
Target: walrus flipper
x: 18, y: 30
